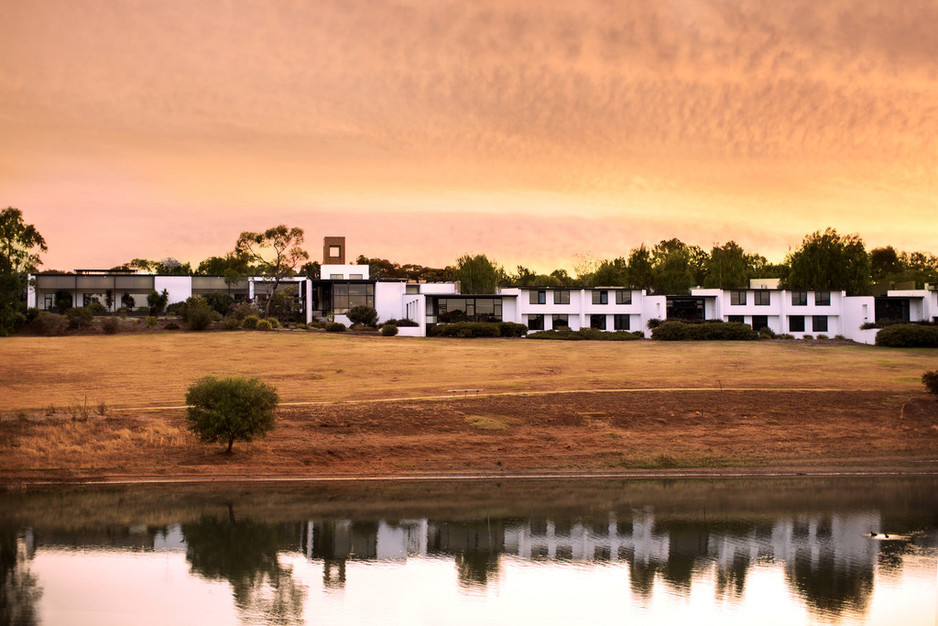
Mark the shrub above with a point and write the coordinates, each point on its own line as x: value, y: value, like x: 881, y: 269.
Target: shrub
x: 403, y: 323
x: 230, y: 409
x: 511, y: 329
x: 822, y: 337
x: 176, y: 308
x: 301, y: 326
x: 908, y: 336
x: 285, y: 305
x: 250, y: 322
x: 242, y: 310
x: 807, y: 338
x: 670, y: 331
x: 198, y: 314
x: 96, y: 308
x: 785, y: 336
x: 151, y: 321
x: 766, y: 333
x: 231, y: 323
x: 335, y: 327
x: 123, y: 311
x: 317, y: 324
x: 654, y: 323
x: 79, y: 317
x: 110, y: 325
x: 709, y: 331
x: 274, y: 323
x: 465, y: 330
x: 585, y: 334
x: 930, y: 379
x: 389, y: 330
x: 171, y: 326
x: 263, y: 325
x: 360, y: 327
x: 50, y: 324
x: 219, y: 301
x: 363, y: 314
x: 157, y: 301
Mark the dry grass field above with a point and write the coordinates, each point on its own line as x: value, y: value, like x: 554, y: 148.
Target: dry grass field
x: 88, y: 407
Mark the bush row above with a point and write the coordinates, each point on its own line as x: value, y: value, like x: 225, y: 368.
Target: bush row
x: 478, y: 329
x: 586, y: 334
x: 908, y: 336
x: 713, y: 331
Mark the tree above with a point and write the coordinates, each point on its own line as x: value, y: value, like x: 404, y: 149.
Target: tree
x: 641, y: 270
x: 729, y: 267
x: 613, y: 273
x: 276, y: 251
x: 476, y: 274
x: 230, y: 409
x: 20, y: 245
x: 830, y: 262
x: 363, y: 314
x: 674, y: 267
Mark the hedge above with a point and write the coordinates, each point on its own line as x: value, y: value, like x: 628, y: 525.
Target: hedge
x: 908, y: 336
x: 710, y: 331
x: 586, y: 334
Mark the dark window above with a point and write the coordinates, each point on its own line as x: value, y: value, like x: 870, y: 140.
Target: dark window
x: 336, y: 276
x: 598, y: 321
x: 737, y: 297
x: 761, y: 297
x: 796, y: 323
x: 538, y: 297
x: 412, y: 289
x: 463, y: 309
x: 560, y: 320
x: 348, y: 295
x: 799, y: 298
x: 736, y: 319
x: 819, y: 324
x: 600, y: 297
x: 620, y: 322
x: 562, y: 296
x: 822, y: 298
x: 760, y: 321
x: 623, y: 297
x: 536, y: 322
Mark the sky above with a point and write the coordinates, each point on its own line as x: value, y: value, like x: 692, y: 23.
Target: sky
x: 533, y: 132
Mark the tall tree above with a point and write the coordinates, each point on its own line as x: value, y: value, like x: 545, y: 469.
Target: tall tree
x: 276, y: 252
x: 476, y: 274
x: 614, y: 273
x: 20, y: 246
x: 728, y: 267
x: 830, y: 261
x: 674, y: 267
x: 641, y: 270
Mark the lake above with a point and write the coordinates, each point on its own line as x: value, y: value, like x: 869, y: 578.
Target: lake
x: 768, y: 551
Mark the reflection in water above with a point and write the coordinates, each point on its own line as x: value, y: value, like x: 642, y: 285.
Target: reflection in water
x: 822, y: 560
x: 244, y: 553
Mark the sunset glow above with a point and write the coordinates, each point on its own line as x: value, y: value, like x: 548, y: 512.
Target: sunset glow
x: 423, y: 130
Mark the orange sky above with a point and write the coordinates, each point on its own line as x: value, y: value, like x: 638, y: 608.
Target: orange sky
x: 422, y: 130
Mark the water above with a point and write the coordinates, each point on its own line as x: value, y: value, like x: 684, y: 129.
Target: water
x: 516, y: 552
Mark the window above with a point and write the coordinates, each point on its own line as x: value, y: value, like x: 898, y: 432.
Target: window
x: 335, y: 251
x: 535, y: 322
x: 620, y: 322
x: 623, y: 297
x: 412, y: 290
x: 355, y: 276
x: 822, y: 298
x: 336, y: 276
x: 598, y: 321
x: 736, y: 319
x: 600, y: 297
x: 48, y: 301
x: 737, y: 297
x: 819, y: 324
x: 348, y: 295
x: 538, y: 297
x: 759, y: 322
x: 796, y: 323
x: 799, y: 298
x: 562, y: 297
x: 560, y: 321
x: 761, y: 297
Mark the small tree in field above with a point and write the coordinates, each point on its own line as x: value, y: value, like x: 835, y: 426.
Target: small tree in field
x: 229, y: 409
x: 930, y: 379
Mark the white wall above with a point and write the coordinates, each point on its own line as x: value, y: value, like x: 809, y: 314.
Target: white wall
x: 344, y: 271
x: 179, y: 288
x: 389, y: 300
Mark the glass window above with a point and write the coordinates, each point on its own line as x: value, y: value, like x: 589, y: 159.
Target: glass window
x: 598, y: 321
x: 562, y: 296
x: 799, y: 298
x: 535, y: 322
x: 737, y: 297
x: 623, y: 296
x: 336, y: 276
x: 736, y: 319
x: 762, y: 297
x: 600, y: 297
x: 760, y: 321
x: 538, y: 297
x: 819, y: 324
x: 796, y: 323
x: 621, y: 322
x: 561, y: 321
x: 356, y: 276
x: 822, y: 298
x: 412, y: 289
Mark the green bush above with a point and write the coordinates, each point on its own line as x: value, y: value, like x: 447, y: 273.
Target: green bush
x: 263, y: 325
x: 123, y: 311
x: 110, y: 325
x: 908, y: 336
x: 231, y: 323
x: 511, y: 329
x: 96, y: 308
x: 50, y: 324
x: 230, y: 409
x: 403, y: 323
x: 285, y: 305
x: 465, y: 330
x: 930, y: 379
x: 785, y: 336
x: 301, y: 326
x: 176, y: 308
x: 586, y: 334
x: 157, y: 301
x: 79, y: 317
x: 335, y: 327
x: 364, y: 315
x: 766, y: 333
x: 274, y: 323
x: 219, y: 301
x: 197, y: 313
x: 242, y: 310
x: 389, y: 330
x: 317, y: 324
x: 250, y: 322
x: 151, y: 321
x: 708, y: 331
x: 171, y: 326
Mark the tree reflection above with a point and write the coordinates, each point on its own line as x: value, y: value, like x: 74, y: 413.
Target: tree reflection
x: 19, y: 591
x: 244, y: 553
x: 829, y: 586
